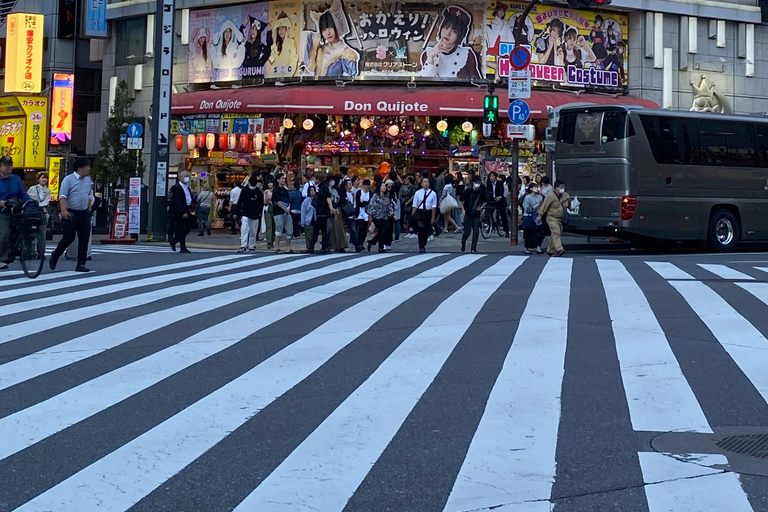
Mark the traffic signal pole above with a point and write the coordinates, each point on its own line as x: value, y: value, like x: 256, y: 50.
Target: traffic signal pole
x: 514, y: 191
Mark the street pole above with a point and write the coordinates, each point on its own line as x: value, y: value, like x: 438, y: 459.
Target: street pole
x: 161, y: 120
x: 513, y: 193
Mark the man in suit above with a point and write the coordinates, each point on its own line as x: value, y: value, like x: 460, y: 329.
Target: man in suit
x: 496, y: 195
x: 181, y: 202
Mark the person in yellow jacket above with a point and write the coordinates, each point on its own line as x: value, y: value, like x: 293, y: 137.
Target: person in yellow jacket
x: 284, y: 59
x: 554, y: 208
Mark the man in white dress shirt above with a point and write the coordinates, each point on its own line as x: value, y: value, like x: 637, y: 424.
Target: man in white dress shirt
x: 424, y: 208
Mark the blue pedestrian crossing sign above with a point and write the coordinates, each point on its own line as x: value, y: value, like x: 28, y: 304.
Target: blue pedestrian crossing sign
x: 519, y: 112
x: 135, y: 130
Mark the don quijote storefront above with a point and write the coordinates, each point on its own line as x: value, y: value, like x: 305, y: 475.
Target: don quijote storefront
x: 321, y: 85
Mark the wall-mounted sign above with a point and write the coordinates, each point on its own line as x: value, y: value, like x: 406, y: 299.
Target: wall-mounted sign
x: 61, y: 108
x: 24, y: 130
x: 24, y: 53
x: 54, y: 175
x: 95, y: 18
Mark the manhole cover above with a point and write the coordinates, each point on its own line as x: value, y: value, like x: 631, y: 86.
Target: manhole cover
x: 754, y: 445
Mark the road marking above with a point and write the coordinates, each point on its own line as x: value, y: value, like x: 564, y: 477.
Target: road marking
x: 59, y: 285
x: 83, y: 347
x: 725, y: 272
x: 179, y: 440
x: 668, y: 270
x: 676, y: 486
x: 744, y: 343
x: 518, y: 431
x: 44, y: 323
x: 42, y: 277
x: 658, y: 394
x: 331, y: 463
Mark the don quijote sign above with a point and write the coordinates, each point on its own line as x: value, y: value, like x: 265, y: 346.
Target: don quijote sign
x: 224, y: 105
x: 385, y: 107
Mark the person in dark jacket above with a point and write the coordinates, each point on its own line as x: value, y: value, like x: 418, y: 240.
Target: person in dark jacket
x: 323, y: 210
x: 473, y: 201
x: 495, y: 189
x: 250, y: 207
x: 181, y: 201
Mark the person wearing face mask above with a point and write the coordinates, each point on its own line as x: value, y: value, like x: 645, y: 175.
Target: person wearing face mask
x: 181, y: 200
x: 473, y: 200
x: 553, y: 209
x: 250, y: 208
x: 533, y: 232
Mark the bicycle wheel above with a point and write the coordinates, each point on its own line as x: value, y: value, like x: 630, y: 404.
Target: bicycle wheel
x: 32, y: 253
x: 486, y: 224
x: 500, y: 225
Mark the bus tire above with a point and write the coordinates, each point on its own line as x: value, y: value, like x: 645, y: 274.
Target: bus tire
x: 723, y: 233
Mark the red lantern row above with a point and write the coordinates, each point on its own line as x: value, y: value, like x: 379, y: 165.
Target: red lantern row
x: 231, y: 142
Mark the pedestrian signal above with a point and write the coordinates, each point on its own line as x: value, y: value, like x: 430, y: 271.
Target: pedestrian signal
x: 491, y: 109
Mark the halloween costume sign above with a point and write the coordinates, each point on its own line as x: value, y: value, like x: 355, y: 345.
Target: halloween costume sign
x: 580, y: 49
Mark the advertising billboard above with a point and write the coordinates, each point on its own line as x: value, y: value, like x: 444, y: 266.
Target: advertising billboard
x: 24, y: 130
x: 61, y: 108
x: 569, y: 48
x: 95, y: 18
x: 24, y: 53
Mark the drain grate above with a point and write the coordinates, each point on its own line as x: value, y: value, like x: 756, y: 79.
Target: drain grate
x: 754, y: 445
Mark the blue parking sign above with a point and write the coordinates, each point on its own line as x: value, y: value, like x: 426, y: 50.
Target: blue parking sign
x: 519, y: 112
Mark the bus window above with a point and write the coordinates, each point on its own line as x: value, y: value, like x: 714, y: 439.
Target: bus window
x: 614, y: 125
x: 727, y: 143
x: 667, y: 139
x: 762, y: 144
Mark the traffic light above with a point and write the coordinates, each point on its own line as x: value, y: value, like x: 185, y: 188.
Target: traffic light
x: 587, y: 4
x: 491, y: 109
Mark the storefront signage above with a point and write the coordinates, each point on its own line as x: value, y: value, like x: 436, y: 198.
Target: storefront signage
x: 61, y: 108
x: 24, y: 53
x: 464, y: 151
x: 580, y: 49
x: 134, y: 205
x: 24, y: 130
x: 318, y: 39
x: 54, y: 170
x: 96, y: 18
x: 383, y: 107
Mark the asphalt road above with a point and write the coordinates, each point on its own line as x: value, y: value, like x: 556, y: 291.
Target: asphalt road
x: 618, y: 381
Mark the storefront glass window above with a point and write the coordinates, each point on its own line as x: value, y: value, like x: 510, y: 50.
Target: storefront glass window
x: 130, y: 41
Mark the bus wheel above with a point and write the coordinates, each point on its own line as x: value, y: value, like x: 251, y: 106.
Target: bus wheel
x: 723, y: 235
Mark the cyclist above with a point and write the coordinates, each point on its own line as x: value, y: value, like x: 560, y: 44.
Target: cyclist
x: 11, y: 190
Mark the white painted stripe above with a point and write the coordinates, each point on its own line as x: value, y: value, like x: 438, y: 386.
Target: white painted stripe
x: 42, y: 277
x: 668, y: 270
x: 43, y: 323
x: 323, y: 472
x: 178, y: 441
x: 86, y: 346
x: 31, y: 425
x: 673, y: 485
x: 10, y: 273
x: 60, y: 285
x: 744, y: 343
x: 725, y: 272
x: 518, y: 431
x: 658, y: 395
x: 90, y: 293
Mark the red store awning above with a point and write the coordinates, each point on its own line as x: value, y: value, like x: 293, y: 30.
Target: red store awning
x: 373, y: 100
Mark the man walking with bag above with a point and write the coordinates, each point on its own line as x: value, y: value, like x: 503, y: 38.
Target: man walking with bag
x: 424, y: 208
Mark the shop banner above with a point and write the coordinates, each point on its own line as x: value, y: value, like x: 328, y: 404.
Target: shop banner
x: 61, y: 108
x: 54, y: 171
x: 581, y: 49
x: 24, y: 130
x: 24, y: 53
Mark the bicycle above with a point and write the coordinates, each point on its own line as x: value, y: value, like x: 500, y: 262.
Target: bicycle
x: 490, y: 219
x: 27, y: 239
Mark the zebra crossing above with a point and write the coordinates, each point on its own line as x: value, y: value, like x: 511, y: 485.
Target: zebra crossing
x: 131, y: 249
x: 384, y: 382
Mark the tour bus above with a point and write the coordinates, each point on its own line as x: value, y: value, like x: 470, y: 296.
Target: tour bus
x: 644, y: 175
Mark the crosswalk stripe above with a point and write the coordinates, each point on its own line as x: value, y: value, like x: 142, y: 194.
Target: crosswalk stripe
x: 668, y: 270
x: 44, y: 277
x: 10, y: 273
x: 725, y: 272
x: 83, y: 347
x: 76, y: 404
x: 100, y: 278
x: 213, y: 417
x: 673, y: 485
x: 518, y: 430
x: 658, y: 394
x: 332, y: 462
x: 743, y: 342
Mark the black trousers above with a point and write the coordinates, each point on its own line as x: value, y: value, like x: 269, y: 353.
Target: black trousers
x: 471, y: 223
x: 362, y: 230
x: 77, y: 225
x: 321, y: 225
x: 383, y: 233
x: 501, y: 207
x: 423, y: 226
x: 181, y: 230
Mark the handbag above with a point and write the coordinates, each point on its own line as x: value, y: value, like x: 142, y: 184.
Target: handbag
x: 448, y: 204
x: 348, y: 210
x: 529, y: 221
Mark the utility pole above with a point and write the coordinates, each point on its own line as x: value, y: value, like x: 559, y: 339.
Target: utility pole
x: 513, y: 232
x: 161, y: 120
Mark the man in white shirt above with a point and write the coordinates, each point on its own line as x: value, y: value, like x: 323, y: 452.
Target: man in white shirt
x: 234, y: 197
x: 424, y: 208
x: 305, y: 189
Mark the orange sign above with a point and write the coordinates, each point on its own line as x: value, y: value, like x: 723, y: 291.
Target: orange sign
x: 54, y: 169
x: 61, y: 108
x: 24, y: 53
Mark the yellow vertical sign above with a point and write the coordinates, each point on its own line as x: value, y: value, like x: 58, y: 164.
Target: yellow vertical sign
x: 54, y: 170
x: 36, y: 130
x: 24, y: 52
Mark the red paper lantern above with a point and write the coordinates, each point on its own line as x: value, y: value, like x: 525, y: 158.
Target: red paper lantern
x: 271, y: 141
x: 200, y: 141
x: 179, y: 142
x: 242, y: 144
x: 223, y: 141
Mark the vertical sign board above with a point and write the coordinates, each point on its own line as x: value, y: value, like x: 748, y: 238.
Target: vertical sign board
x: 61, y: 108
x: 54, y: 178
x: 134, y: 205
x: 24, y: 53
x: 161, y: 120
x: 95, y: 18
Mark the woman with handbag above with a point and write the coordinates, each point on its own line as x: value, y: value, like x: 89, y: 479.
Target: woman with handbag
x: 41, y: 194
x: 381, y: 208
x: 554, y: 208
x: 338, y: 235
x: 448, y: 203
x: 533, y: 232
